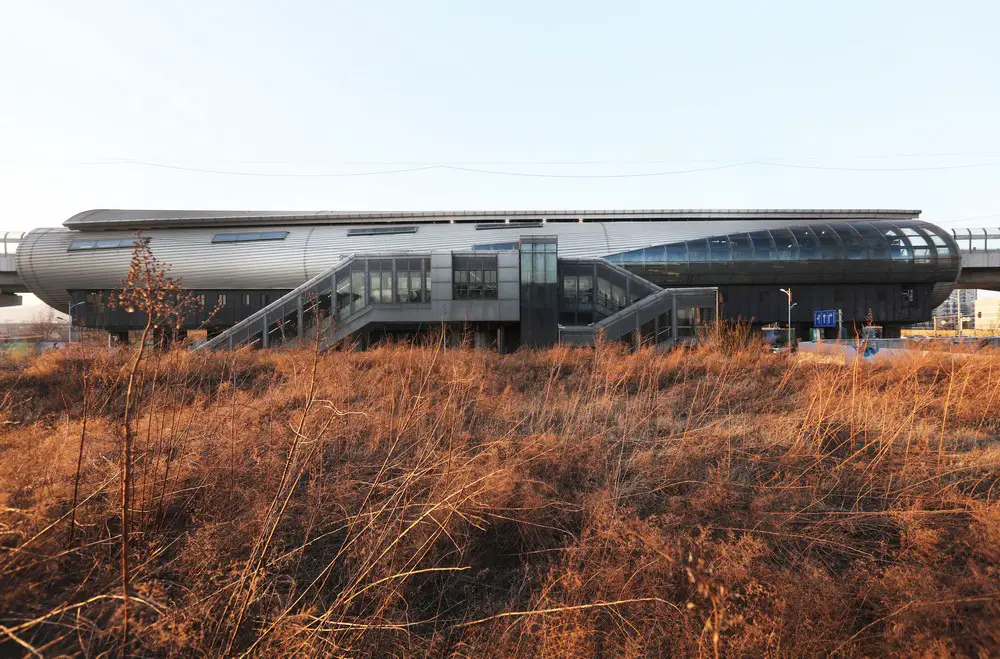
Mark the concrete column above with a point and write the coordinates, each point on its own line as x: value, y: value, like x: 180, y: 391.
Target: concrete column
x: 673, y: 317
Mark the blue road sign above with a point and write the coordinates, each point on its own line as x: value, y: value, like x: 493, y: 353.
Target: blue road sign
x: 826, y: 318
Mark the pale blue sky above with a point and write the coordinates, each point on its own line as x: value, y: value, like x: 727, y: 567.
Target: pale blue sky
x: 318, y: 87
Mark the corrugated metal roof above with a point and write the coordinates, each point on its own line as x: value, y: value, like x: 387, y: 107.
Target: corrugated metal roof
x: 162, y: 219
x: 49, y: 269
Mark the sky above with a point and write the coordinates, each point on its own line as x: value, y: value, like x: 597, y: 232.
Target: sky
x: 390, y: 105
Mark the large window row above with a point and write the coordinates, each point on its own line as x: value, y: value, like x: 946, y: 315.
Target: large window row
x: 474, y: 277
x: 410, y: 282
x: 853, y: 241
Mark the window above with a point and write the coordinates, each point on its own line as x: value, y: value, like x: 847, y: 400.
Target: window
x: 246, y: 299
x: 380, y: 278
x: 539, y: 262
x: 96, y: 302
x: 586, y: 289
x: 221, y: 300
x: 508, y: 225
x: 763, y: 248
x: 569, y: 289
x: 410, y: 280
x: 381, y: 231
x: 474, y: 277
x: 265, y: 299
x: 808, y: 245
x: 496, y: 246
x: 249, y: 237
x: 113, y: 243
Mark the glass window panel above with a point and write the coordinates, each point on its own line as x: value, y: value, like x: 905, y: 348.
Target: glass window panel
x: 742, y: 249
x: 386, y: 286
x: 808, y: 244
x: 343, y: 301
x: 538, y: 268
x: 551, y: 269
x: 618, y: 298
x: 415, y: 283
x: 898, y: 248
x: 657, y: 254
x: 720, y: 248
x: 604, y: 293
x: 358, y: 297
x: 107, y: 243
x: 676, y: 253
x: 586, y: 288
x: 763, y: 248
x: 376, y: 282
x: 402, y: 286
x: 829, y: 243
x: 698, y: 251
x: 784, y: 243
x: 853, y: 245
x: 569, y: 289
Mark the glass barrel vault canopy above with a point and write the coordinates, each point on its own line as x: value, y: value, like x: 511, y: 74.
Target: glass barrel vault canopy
x: 843, y: 252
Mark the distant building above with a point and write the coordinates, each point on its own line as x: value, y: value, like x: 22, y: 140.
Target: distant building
x: 945, y: 316
x: 988, y: 314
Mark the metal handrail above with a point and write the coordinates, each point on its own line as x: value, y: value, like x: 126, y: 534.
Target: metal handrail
x: 262, y: 313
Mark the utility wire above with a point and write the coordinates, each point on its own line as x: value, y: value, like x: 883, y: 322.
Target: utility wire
x: 493, y: 172
x: 513, y: 163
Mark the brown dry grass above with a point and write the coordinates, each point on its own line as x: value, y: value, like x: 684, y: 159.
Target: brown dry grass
x: 407, y: 501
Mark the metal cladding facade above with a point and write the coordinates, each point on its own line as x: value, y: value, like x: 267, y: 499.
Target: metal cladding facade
x: 636, y: 240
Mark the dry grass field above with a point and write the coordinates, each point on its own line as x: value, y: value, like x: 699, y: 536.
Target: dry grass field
x: 717, y: 501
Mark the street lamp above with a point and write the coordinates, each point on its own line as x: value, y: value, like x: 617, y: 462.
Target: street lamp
x: 69, y: 327
x: 788, y: 292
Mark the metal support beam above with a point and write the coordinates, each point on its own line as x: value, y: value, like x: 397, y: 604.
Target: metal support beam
x: 299, y: 326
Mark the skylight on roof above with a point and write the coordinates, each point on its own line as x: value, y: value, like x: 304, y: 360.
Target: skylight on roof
x: 508, y: 225
x: 249, y: 236
x: 382, y: 231
x: 111, y: 243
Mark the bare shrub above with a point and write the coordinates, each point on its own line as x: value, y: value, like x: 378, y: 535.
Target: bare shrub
x: 719, y: 500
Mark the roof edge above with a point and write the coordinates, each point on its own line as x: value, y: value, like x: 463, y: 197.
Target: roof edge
x: 149, y: 219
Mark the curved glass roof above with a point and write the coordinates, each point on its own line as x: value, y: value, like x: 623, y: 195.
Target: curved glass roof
x: 899, y: 251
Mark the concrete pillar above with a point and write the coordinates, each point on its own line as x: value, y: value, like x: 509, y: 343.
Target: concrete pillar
x: 673, y: 317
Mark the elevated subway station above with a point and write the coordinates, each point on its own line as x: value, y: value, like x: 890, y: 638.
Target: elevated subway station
x: 511, y: 278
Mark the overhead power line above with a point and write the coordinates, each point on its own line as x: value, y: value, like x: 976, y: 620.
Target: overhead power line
x: 494, y: 172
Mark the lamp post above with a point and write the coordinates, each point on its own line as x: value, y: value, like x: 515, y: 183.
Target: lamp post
x: 69, y: 320
x: 788, y: 292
